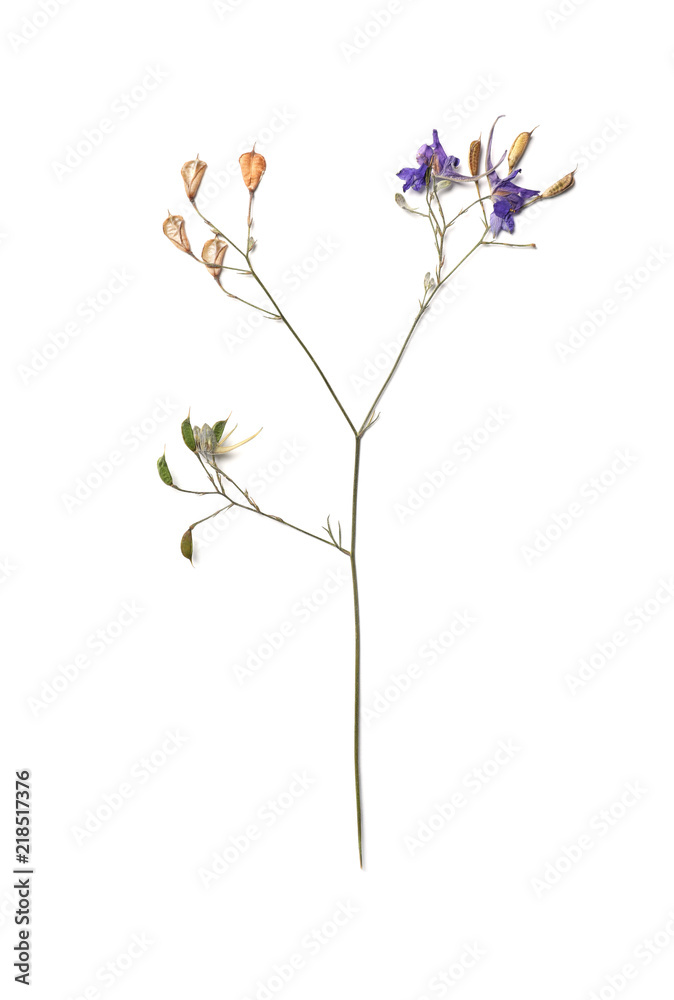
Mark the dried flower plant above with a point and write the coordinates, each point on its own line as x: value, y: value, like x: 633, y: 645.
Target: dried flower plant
x: 436, y: 173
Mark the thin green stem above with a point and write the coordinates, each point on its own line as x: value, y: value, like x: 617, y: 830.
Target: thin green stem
x: 279, y: 520
x: 356, y: 619
x: 304, y: 347
x: 261, y: 309
x: 513, y: 246
x: 424, y: 306
x: 256, y: 510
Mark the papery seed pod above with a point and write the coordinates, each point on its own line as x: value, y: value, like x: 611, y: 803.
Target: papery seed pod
x: 559, y: 187
x: 193, y: 172
x: 253, y: 165
x: 214, y: 253
x: 518, y: 147
x: 429, y: 281
x: 474, y: 156
x: 164, y: 471
x: 174, y: 229
x: 186, y: 545
x: 188, y: 433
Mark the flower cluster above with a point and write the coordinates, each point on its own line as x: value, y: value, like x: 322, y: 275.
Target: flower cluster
x: 508, y: 199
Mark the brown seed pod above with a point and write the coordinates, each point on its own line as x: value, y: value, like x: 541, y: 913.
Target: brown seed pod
x: 253, y: 165
x: 474, y: 156
x: 518, y: 147
x: 214, y: 253
x: 559, y: 187
x: 192, y: 173
x: 174, y: 229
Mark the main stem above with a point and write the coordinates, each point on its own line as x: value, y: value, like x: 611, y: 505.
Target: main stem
x: 356, y: 619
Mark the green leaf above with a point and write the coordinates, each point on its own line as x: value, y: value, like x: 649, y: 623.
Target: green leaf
x: 164, y: 471
x: 188, y: 433
x: 219, y: 428
x: 186, y: 546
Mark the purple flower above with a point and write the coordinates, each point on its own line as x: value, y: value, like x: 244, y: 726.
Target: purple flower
x: 415, y: 179
x: 507, y: 197
x: 441, y: 165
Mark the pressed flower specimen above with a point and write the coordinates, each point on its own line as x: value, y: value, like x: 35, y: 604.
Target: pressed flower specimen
x: 435, y: 177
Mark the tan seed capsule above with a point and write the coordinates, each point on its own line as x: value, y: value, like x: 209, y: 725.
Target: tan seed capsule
x: 474, y: 156
x: 214, y: 253
x: 192, y: 173
x: 559, y: 187
x: 174, y: 229
x: 518, y: 147
x: 253, y: 165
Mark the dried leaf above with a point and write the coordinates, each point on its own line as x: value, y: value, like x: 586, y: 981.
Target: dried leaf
x: 186, y: 545
x: 219, y: 428
x: 188, y: 433
x: 164, y: 471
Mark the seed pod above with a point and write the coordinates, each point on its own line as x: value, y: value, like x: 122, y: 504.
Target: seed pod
x: 188, y: 433
x: 174, y: 229
x: 186, y: 545
x: 559, y: 187
x: 164, y: 471
x: 214, y: 253
x: 474, y: 156
x: 518, y: 147
x: 253, y: 165
x: 193, y: 172
x: 219, y: 428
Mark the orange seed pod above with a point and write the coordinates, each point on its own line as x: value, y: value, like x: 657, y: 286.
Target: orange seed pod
x: 253, y: 165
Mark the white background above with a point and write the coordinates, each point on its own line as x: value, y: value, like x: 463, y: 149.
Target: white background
x: 338, y: 104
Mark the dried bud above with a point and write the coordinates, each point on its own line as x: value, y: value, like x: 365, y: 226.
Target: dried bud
x: 214, y: 253
x: 164, y: 471
x: 174, y: 228
x: 186, y: 546
x: 253, y: 165
x: 560, y: 186
x: 474, y: 156
x: 518, y: 147
x: 188, y: 433
x: 193, y: 172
